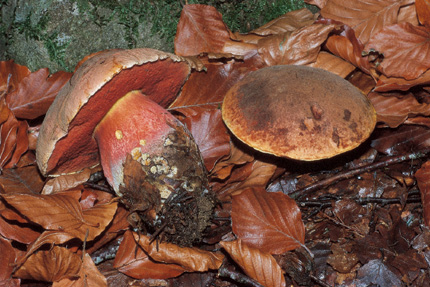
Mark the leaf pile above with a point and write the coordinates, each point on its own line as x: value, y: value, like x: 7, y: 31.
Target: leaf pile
x: 357, y: 220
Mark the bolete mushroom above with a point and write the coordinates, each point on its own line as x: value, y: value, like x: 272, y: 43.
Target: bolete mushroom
x: 112, y: 110
x: 298, y: 112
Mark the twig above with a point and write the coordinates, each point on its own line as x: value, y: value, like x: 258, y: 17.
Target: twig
x: 227, y: 270
x: 298, y: 194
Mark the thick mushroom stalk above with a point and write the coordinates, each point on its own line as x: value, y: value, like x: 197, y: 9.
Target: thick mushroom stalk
x: 151, y: 161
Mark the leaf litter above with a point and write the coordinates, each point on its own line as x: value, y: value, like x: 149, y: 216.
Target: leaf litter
x: 356, y: 220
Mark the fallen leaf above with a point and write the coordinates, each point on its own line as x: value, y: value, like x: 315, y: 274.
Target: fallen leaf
x: 23, y: 233
x: 8, y: 255
x: 131, y: 260
x: 333, y: 64
x: 386, y: 84
x: 423, y: 11
x: 190, y: 258
x: 366, y: 17
x: 300, y: 47
x: 405, y: 48
x: 200, y: 30
x: 209, y: 132
x: 423, y: 179
x: 268, y: 221
x: 35, y: 93
x: 89, y: 275
x: 66, y: 181
x: 259, y: 265
x: 12, y: 74
x: 21, y: 180
x: 375, y: 272
x: 50, y: 266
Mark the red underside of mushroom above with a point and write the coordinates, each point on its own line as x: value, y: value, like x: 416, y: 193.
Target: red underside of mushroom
x: 134, y: 123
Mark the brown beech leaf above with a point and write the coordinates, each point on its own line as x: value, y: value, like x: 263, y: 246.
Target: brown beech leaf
x: 268, y: 221
x: 35, y: 93
x: 19, y: 232
x: 66, y: 181
x: 406, y: 50
x: 62, y: 212
x: 288, y: 22
x: 8, y: 256
x: 131, y: 260
x: 394, y: 110
x: 366, y: 17
x: 319, y: 3
x: 423, y: 11
x: 423, y: 180
x: 200, y: 30
x: 190, y: 258
x: 334, y: 64
x: 402, y: 140
x: 12, y: 74
x: 89, y: 275
x: 208, y: 130
x: 386, y: 84
x: 21, y: 180
x: 300, y: 47
x: 259, y: 265
x: 13, y: 135
x: 50, y: 266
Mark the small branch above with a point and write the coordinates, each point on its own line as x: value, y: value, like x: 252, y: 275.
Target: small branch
x: 298, y: 194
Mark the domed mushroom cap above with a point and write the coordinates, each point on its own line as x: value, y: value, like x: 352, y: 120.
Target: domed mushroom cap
x: 298, y: 112
x: 66, y: 143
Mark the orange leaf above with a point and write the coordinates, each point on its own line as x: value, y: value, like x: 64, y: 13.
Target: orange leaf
x: 268, y: 221
x: 258, y: 265
x: 423, y: 11
x: 200, y: 30
x: 131, y: 260
x: 300, y: 47
x: 366, y: 17
x: 190, y: 258
x: 89, y: 275
x: 208, y: 130
x: 423, y: 179
x: 13, y: 74
x: 35, y: 93
x: 53, y: 265
x: 406, y: 50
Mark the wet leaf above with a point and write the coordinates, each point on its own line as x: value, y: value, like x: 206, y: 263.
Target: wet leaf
x: 268, y: 221
x: 200, y: 30
x: 89, y: 275
x: 50, y: 266
x: 423, y: 179
x: 393, y: 109
x: 21, y: 180
x: 209, y: 132
x: 35, y: 93
x: 191, y: 259
x: 300, y: 47
x: 406, y: 50
x: 131, y: 260
x: 258, y: 265
x: 288, y: 22
x: 366, y: 17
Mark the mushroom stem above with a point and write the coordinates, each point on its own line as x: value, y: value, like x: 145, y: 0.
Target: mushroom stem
x: 151, y: 160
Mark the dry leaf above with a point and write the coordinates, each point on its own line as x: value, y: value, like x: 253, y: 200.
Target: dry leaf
x: 89, y: 275
x: 50, y: 266
x: 12, y: 74
x: 423, y: 179
x: 131, y: 260
x: 258, y: 265
x: 8, y: 256
x: 200, y: 30
x: 300, y: 47
x: 66, y: 181
x: 386, y: 84
x: 406, y: 50
x: 35, y: 93
x: 366, y: 17
x: 333, y: 64
x: 23, y: 233
x: 268, y: 221
x: 423, y: 11
x: 190, y: 258
x: 21, y: 180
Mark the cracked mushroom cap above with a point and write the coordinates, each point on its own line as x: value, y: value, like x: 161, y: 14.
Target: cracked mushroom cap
x: 66, y: 143
x: 298, y: 112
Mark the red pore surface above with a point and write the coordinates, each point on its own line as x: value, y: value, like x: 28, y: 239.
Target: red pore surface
x: 160, y: 80
x: 135, y: 121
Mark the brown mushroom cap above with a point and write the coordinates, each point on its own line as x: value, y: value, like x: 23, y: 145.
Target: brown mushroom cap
x: 298, y: 112
x: 66, y: 142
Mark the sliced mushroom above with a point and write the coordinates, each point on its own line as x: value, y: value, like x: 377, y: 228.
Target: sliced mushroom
x: 298, y: 112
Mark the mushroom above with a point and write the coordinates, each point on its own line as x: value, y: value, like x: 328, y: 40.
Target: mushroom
x: 298, y: 112
x: 112, y: 111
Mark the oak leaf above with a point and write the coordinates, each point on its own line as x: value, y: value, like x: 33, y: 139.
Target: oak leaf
x: 259, y: 265
x: 268, y: 221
